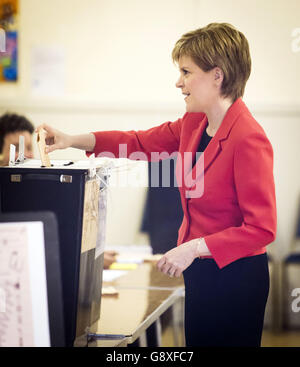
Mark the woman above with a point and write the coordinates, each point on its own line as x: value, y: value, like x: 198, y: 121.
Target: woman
x: 230, y: 210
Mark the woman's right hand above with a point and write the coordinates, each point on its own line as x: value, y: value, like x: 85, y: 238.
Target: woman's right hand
x: 55, y: 139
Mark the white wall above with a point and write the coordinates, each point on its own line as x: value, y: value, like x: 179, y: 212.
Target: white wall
x: 268, y: 26
x: 118, y: 74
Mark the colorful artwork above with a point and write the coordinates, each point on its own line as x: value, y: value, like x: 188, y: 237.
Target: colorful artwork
x: 9, y: 56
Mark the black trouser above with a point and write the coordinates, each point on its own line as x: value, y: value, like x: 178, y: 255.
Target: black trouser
x: 225, y: 307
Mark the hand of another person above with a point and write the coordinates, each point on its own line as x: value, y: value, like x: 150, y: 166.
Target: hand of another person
x: 175, y: 261
x: 55, y: 139
x: 109, y: 258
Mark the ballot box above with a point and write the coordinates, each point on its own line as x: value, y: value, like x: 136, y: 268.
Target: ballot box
x: 76, y: 193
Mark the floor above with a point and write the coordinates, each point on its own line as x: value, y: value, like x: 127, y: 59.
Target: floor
x: 269, y: 338
x: 281, y: 339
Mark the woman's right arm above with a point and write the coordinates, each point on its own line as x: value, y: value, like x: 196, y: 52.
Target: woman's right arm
x: 56, y: 139
x: 162, y: 138
x: 125, y: 144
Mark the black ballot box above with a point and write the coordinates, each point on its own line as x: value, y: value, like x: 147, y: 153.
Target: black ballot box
x: 76, y: 194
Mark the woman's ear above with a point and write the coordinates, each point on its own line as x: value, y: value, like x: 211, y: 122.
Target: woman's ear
x: 218, y: 75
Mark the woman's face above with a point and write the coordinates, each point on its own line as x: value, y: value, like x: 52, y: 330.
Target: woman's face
x: 200, y: 88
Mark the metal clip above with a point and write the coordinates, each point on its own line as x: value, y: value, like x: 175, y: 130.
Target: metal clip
x: 12, y: 155
x: 21, y: 156
x: 15, y: 178
x: 65, y: 179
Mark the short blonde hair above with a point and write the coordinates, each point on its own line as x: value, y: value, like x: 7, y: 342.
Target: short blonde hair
x: 218, y: 45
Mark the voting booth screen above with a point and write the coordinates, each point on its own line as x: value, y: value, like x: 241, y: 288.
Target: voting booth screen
x: 73, y: 198
x: 30, y: 281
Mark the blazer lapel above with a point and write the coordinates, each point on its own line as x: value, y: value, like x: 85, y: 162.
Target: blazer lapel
x: 214, y: 147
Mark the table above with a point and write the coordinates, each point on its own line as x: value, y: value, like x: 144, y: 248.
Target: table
x: 147, y: 276
x: 144, y: 294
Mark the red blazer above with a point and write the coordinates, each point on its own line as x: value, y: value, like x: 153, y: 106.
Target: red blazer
x: 236, y: 213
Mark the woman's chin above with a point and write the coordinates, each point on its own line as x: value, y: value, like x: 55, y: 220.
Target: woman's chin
x: 193, y: 109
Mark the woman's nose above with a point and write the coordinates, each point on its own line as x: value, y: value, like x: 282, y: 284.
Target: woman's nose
x: 179, y: 83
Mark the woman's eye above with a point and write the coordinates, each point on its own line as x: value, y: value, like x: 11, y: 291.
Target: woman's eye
x: 185, y: 72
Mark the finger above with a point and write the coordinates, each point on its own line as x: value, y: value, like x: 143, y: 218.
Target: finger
x: 161, y: 262
x: 37, y: 129
x: 171, y: 272
x: 50, y: 141
x: 109, y: 258
x: 178, y: 273
x: 109, y: 261
x: 111, y: 252
x: 51, y: 148
x: 48, y: 132
x: 48, y: 129
x: 166, y: 268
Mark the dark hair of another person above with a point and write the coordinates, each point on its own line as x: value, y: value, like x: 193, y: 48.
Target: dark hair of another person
x: 11, y: 123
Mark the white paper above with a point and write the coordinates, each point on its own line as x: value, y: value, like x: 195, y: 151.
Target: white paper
x: 129, y: 260
x: 48, y: 71
x: 24, y: 318
x: 111, y: 275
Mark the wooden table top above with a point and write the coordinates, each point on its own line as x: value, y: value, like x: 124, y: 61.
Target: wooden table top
x: 130, y: 312
x: 147, y: 276
x: 144, y: 294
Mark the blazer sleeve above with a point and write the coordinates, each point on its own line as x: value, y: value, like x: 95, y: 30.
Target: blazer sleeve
x: 254, y: 184
x: 122, y: 144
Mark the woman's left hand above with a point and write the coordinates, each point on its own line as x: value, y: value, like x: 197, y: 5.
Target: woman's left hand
x: 175, y: 261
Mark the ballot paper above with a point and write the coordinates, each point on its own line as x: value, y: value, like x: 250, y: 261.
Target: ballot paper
x: 24, y: 305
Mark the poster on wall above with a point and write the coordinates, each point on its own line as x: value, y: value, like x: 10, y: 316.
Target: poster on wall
x: 9, y: 35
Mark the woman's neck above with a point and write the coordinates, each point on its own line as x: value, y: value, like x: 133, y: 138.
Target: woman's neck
x: 216, y: 115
